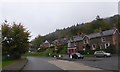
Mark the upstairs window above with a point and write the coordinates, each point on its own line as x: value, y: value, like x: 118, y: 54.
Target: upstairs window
x: 103, y: 39
x: 85, y: 42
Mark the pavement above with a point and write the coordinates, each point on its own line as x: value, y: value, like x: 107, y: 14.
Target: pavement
x: 110, y: 63
x: 68, y: 65
x: 15, y: 67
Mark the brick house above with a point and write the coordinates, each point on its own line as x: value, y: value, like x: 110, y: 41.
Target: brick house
x: 101, y: 39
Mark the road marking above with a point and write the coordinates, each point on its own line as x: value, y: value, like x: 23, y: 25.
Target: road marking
x: 68, y: 65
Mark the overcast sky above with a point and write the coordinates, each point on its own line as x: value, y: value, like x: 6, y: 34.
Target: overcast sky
x: 45, y: 17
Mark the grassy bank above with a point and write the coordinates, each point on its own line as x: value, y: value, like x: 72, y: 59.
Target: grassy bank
x: 40, y: 54
x: 36, y: 54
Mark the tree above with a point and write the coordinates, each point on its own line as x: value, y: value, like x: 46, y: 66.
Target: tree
x: 15, y: 40
x: 98, y: 17
x: 118, y: 23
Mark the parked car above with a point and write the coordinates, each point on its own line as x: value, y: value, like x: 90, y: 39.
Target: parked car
x: 102, y: 54
x: 77, y: 56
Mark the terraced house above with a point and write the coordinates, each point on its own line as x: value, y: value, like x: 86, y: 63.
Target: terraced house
x: 100, y: 40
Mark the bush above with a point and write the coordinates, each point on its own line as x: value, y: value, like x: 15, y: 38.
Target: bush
x: 111, y: 49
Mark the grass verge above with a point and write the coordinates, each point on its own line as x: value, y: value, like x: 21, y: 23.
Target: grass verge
x: 0, y: 64
x: 7, y: 62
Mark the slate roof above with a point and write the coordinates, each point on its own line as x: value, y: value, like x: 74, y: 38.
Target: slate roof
x: 77, y: 38
x: 94, y: 35
x: 104, y: 33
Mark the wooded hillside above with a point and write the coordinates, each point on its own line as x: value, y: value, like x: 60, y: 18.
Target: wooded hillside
x: 97, y: 25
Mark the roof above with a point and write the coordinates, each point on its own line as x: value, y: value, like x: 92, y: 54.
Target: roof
x: 104, y: 33
x: 94, y: 35
x: 46, y: 41
x: 77, y: 38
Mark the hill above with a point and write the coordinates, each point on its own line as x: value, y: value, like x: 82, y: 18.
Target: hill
x: 97, y: 25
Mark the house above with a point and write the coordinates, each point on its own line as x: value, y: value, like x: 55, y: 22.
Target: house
x: 58, y: 42
x: 46, y: 44
x: 71, y: 47
x: 95, y: 40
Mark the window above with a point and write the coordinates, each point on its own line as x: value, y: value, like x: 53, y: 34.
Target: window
x: 93, y: 47
x: 84, y: 48
x: 107, y: 45
x: 103, y: 39
x: 101, y: 46
x: 85, y: 41
x: 69, y: 44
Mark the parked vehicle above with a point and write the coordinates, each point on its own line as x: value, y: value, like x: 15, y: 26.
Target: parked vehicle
x: 102, y: 54
x: 77, y: 56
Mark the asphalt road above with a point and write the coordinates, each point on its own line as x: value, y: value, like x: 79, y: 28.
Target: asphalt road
x: 38, y: 64
x: 110, y: 63
x: 35, y: 63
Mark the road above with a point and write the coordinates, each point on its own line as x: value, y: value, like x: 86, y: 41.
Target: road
x: 110, y: 63
x: 35, y: 63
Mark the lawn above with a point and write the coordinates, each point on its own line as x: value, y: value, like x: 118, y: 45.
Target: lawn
x: 46, y: 52
x: 35, y: 54
x: 40, y: 54
x: 64, y: 50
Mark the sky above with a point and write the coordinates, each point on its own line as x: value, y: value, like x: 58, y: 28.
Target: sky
x: 44, y: 17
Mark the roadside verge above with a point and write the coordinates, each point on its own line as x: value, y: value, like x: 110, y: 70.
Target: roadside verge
x: 18, y: 66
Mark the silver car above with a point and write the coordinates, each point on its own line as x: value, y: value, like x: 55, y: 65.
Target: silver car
x: 102, y: 54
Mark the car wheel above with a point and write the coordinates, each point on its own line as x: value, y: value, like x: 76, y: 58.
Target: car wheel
x: 96, y: 56
x: 105, y: 55
x: 82, y: 58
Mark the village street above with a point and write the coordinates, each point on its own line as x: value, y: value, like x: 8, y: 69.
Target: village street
x: 43, y: 63
x: 35, y: 63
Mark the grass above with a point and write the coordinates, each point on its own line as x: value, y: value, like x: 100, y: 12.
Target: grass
x: 64, y: 50
x: 7, y: 62
x: 36, y: 54
x: 46, y: 52
x: 0, y: 64
x: 40, y: 54
x: 50, y: 50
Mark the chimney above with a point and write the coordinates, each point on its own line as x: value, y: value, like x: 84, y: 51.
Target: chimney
x: 82, y: 34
